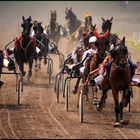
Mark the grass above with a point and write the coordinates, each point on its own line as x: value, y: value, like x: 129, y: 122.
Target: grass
x: 133, y: 45
x: 130, y: 44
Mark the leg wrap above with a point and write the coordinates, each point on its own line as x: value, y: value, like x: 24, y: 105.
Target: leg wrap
x: 117, y: 109
x: 128, y: 94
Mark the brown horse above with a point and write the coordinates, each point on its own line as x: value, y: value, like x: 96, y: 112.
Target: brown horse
x: 119, y: 80
x: 93, y: 62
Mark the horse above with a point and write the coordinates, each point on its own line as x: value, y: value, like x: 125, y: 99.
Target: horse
x: 54, y: 28
x: 120, y: 79
x: 79, y: 53
x: 1, y: 65
x: 86, y: 27
x: 25, y: 47
x: 73, y: 22
x: 94, y: 60
x: 41, y: 42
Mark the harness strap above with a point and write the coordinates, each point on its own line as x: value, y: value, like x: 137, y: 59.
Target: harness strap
x: 108, y: 68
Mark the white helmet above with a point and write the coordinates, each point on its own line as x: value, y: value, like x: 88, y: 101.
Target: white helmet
x: 92, y: 39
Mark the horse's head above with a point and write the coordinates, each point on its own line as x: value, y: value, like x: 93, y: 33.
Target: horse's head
x: 53, y: 15
x: 114, y: 39
x: 69, y: 15
x: 102, y: 41
x: 38, y: 29
x: 106, y: 24
x: 26, y: 25
x: 121, y: 59
x: 88, y: 20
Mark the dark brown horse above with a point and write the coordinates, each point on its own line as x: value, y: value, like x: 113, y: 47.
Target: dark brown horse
x: 93, y: 61
x: 54, y: 28
x: 41, y: 42
x: 119, y: 80
x: 73, y: 21
x: 25, y: 47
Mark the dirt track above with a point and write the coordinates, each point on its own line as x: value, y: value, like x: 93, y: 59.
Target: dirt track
x: 39, y: 116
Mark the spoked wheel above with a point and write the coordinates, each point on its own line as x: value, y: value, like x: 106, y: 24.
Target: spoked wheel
x: 29, y: 77
x: 50, y: 69
x: 20, y: 89
x: 82, y: 99
x: 67, y: 93
x: 19, y: 85
x: 129, y: 104
x: 58, y: 81
x: 61, y: 60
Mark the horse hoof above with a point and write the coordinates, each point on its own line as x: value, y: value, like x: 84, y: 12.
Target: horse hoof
x: 24, y: 73
x: 95, y: 102
x: 74, y: 91
x: 99, y: 108
x: 124, y: 122
x: 117, y: 124
x: 1, y: 83
x: 45, y: 62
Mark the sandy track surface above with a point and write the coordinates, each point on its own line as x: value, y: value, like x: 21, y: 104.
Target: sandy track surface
x: 39, y: 116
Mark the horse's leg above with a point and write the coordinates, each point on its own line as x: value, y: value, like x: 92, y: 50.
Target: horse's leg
x: 94, y: 95
x: 30, y: 68
x: 102, y: 101
x: 45, y: 56
x: 122, y: 104
x: 116, y: 108
x: 76, y: 86
x: 1, y: 65
x: 128, y: 94
x: 36, y: 63
x: 85, y: 75
x: 1, y: 82
x: 39, y: 62
x: 21, y: 67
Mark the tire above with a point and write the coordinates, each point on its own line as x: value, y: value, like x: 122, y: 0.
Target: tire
x: 81, y: 106
x: 50, y: 70
x: 67, y: 96
x: 19, y: 87
x: 57, y: 88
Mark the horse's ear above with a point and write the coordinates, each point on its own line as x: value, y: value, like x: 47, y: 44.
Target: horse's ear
x: 23, y: 18
x: 70, y: 8
x: 123, y: 40
x: 30, y: 18
x: 111, y: 19
x: 96, y: 34
x: 93, y: 28
x: 40, y: 22
x: 103, y: 19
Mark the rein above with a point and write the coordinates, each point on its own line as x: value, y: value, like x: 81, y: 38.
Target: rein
x: 25, y: 49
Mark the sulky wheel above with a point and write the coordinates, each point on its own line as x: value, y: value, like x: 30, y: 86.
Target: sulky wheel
x: 50, y: 69
x: 67, y: 93
x: 81, y: 105
x: 19, y: 89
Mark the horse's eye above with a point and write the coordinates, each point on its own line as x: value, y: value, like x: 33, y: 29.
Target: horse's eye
x: 22, y: 25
